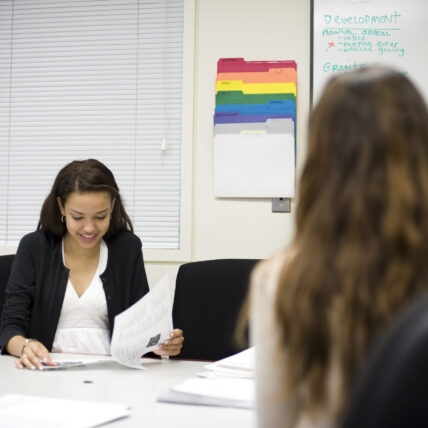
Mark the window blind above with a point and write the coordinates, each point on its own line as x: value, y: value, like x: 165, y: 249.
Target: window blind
x: 92, y: 79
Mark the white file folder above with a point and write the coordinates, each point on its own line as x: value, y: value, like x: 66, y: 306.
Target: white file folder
x: 254, y: 164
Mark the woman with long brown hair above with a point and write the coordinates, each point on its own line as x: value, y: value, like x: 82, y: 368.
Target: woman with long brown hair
x: 360, y: 250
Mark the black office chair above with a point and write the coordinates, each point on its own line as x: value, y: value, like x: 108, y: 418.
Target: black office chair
x: 5, y: 267
x: 392, y: 389
x: 208, y: 298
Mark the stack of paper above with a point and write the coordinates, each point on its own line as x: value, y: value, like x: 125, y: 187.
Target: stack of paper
x: 228, y: 383
x: 22, y: 411
x: 240, y: 365
x: 254, y: 128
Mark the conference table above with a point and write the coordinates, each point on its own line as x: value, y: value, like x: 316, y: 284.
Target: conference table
x: 111, y: 382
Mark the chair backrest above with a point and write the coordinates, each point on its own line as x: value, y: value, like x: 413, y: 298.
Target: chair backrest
x: 392, y: 388
x: 208, y: 299
x: 5, y: 267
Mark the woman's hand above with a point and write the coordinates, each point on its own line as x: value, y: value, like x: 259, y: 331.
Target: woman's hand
x: 33, y: 355
x: 172, y: 346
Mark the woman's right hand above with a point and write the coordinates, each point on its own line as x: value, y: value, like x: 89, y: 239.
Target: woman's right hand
x: 33, y: 356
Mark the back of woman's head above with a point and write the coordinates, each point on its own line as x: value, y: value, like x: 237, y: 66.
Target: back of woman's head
x: 361, y: 244
x: 83, y: 176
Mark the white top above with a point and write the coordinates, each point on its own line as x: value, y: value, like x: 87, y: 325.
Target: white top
x: 83, y: 323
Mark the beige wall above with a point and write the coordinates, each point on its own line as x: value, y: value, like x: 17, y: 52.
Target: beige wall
x: 254, y: 30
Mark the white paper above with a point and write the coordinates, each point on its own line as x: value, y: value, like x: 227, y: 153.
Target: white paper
x: 64, y: 363
x: 221, y: 372
x: 21, y: 411
x: 240, y: 365
x: 143, y: 326
x: 254, y: 165
x: 211, y: 392
x: 230, y: 389
x: 244, y: 360
x: 230, y: 382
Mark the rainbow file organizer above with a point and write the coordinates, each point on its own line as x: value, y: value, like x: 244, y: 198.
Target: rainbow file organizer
x: 254, y: 128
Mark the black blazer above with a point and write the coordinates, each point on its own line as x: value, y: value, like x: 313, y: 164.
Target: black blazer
x: 37, y: 283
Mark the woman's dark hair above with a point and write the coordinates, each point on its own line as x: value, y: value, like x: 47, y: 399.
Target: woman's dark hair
x: 83, y: 176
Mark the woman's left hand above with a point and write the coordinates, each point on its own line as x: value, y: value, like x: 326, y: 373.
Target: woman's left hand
x: 171, y: 346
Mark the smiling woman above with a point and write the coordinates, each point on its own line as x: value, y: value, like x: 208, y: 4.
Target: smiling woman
x: 87, y: 216
x: 72, y: 276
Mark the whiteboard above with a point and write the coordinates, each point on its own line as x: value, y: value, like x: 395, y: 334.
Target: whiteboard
x: 349, y: 34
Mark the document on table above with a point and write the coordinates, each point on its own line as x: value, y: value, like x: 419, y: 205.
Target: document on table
x: 23, y: 411
x: 244, y: 360
x: 223, y: 392
x: 230, y: 382
x: 240, y: 365
x: 75, y: 361
x: 138, y: 330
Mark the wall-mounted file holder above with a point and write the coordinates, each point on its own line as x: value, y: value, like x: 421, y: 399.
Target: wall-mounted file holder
x: 254, y: 129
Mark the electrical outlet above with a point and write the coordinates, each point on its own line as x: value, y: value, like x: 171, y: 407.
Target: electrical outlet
x: 281, y: 205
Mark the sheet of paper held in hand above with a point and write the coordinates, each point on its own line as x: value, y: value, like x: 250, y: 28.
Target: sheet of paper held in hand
x: 138, y: 330
x: 143, y: 326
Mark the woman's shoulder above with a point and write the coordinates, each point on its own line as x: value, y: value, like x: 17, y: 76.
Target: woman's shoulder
x: 37, y: 238
x: 264, y: 278
x: 124, y: 241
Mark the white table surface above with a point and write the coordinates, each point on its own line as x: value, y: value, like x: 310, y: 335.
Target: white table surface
x: 111, y: 382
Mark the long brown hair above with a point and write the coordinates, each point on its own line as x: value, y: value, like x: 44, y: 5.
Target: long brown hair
x: 361, y: 244
x: 83, y: 176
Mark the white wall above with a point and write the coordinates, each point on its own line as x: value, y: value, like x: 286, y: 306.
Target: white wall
x: 254, y: 30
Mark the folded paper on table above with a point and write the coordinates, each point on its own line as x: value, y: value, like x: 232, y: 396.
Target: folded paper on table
x: 229, y: 382
x: 240, y: 365
x: 244, y: 360
x: 224, y: 372
x: 223, y: 392
x: 68, y: 361
x: 254, y: 165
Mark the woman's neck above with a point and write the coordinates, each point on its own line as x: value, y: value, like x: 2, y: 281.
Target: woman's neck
x: 74, y: 250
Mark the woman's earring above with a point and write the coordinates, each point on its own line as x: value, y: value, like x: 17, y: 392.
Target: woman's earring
x: 63, y: 219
